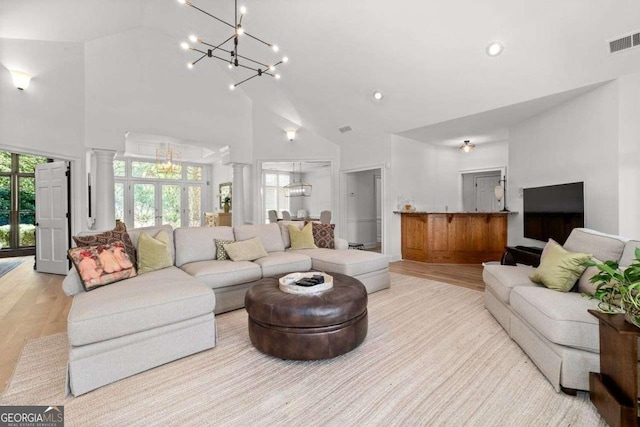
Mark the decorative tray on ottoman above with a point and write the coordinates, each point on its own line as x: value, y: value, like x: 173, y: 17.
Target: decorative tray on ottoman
x: 288, y: 283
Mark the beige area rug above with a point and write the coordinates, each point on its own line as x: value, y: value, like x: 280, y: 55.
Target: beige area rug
x: 433, y: 356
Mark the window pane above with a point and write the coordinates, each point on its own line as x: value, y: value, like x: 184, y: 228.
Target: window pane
x: 144, y: 211
x: 283, y: 180
x: 5, y: 229
x: 27, y: 193
x: 27, y: 229
x: 119, y: 199
x: 171, y: 205
x: 194, y: 173
x: 271, y: 179
x: 27, y: 164
x: 143, y: 170
x: 119, y: 168
x: 5, y: 161
x: 5, y: 194
x: 195, y: 206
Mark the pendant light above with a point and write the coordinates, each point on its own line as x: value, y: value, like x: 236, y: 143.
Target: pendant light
x: 297, y: 188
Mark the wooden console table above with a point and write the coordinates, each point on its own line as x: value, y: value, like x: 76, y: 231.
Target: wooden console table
x: 455, y: 237
x: 614, y: 391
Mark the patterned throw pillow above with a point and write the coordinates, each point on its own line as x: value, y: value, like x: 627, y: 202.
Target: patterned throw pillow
x: 101, y: 265
x: 323, y: 235
x: 221, y: 253
x: 119, y: 233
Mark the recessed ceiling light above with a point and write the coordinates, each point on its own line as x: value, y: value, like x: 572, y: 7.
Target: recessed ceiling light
x: 377, y: 95
x: 494, y: 49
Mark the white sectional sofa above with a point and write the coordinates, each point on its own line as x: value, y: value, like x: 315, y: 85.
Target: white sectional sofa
x: 554, y: 328
x: 130, y: 326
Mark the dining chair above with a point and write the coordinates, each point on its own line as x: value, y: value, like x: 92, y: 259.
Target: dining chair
x: 273, y: 216
x: 325, y: 217
x: 286, y: 216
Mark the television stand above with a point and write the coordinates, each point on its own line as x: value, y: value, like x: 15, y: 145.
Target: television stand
x: 528, y: 255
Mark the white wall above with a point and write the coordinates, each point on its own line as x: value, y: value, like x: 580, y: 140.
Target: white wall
x: 575, y: 141
x: 321, y: 194
x: 142, y: 85
x: 629, y: 155
x: 47, y: 118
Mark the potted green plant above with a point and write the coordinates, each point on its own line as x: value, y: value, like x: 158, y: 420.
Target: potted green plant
x: 618, y: 289
x: 226, y: 204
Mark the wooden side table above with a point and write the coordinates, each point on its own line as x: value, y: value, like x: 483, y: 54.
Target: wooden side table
x: 614, y: 391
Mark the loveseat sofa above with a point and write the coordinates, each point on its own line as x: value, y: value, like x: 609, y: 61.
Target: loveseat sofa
x: 139, y: 323
x: 554, y: 328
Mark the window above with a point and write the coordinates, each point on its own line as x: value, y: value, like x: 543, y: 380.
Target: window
x: 18, y: 214
x: 144, y: 197
x: 273, y: 193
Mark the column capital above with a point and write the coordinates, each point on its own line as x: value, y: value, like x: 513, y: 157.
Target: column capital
x: 104, y: 154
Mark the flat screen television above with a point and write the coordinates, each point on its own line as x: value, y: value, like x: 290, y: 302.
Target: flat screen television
x: 553, y: 211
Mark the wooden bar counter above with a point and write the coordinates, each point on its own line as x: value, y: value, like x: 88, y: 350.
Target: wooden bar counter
x: 453, y: 237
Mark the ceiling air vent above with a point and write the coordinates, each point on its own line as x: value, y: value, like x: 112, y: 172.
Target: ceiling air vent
x: 345, y: 129
x: 624, y: 42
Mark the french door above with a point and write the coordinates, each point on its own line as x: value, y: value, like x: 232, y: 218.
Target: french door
x: 145, y: 204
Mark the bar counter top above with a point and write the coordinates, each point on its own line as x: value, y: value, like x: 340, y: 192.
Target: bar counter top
x: 454, y: 213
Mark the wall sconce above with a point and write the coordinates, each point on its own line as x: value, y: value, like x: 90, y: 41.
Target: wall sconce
x: 291, y: 134
x: 20, y: 79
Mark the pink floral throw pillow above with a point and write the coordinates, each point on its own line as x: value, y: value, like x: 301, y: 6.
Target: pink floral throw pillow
x: 100, y: 265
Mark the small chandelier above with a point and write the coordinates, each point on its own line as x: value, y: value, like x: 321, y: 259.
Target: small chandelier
x: 168, y: 160
x: 234, y: 60
x: 297, y: 188
x: 467, y: 146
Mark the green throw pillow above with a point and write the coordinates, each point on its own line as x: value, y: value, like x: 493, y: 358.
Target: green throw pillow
x: 246, y: 250
x: 559, y: 269
x: 221, y: 253
x: 153, y: 252
x: 301, y: 239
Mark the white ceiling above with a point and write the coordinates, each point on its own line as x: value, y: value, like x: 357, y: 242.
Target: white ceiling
x: 427, y: 57
x: 306, y: 167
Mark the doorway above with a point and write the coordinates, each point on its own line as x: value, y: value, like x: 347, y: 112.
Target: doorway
x: 478, y: 191
x: 364, y: 212
x: 18, y: 203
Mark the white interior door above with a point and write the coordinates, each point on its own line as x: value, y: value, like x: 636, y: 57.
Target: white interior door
x: 485, y: 195
x: 51, y: 218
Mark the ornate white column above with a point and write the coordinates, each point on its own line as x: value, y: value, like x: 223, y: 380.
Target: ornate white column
x: 237, y: 195
x: 104, y: 210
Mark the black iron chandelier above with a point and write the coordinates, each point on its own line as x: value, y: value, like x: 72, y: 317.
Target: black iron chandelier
x: 234, y: 59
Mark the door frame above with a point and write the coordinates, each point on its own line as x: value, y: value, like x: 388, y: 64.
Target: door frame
x: 501, y: 169
x: 383, y: 197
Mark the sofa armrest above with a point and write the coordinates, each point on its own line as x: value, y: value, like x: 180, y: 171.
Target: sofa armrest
x: 72, y: 285
x: 340, y: 243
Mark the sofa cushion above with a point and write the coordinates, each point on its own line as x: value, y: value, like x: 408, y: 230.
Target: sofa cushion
x: 245, y: 250
x: 560, y: 269
x: 101, y: 265
x: 584, y: 283
x: 301, y: 239
x: 283, y: 262
x: 119, y: 233
x: 562, y: 318
x: 152, y: 231
x: 351, y: 263
x: 268, y: 233
x: 602, y: 246
x: 501, y: 279
x: 142, y: 303
x: 153, y: 252
x: 323, y: 235
x: 284, y: 231
x: 198, y: 243
x: 629, y: 253
x: 218, y: 274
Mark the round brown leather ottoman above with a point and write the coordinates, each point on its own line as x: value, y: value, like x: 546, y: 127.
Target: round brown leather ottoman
x: 307, y: 327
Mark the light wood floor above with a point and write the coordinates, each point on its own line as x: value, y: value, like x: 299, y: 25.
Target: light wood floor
x: 33, y: 304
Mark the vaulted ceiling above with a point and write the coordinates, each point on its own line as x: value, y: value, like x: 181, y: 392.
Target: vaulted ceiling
x: 427, y: 57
